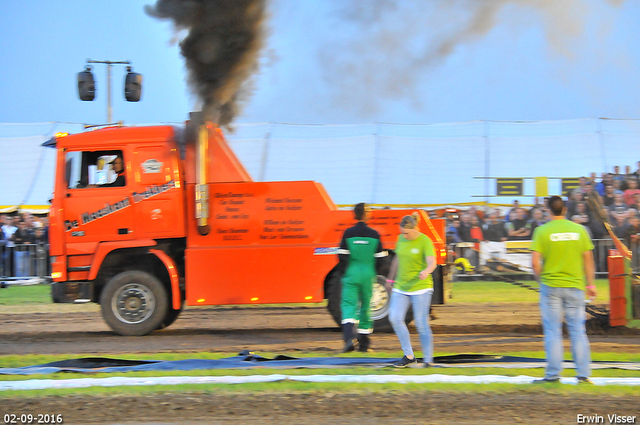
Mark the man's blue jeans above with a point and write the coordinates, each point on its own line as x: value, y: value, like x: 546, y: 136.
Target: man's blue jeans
x: 398, y: 311
x: 553, y: 302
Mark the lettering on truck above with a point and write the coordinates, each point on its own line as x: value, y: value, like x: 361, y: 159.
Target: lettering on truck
x: 88, y: 217
x: 152, y: 191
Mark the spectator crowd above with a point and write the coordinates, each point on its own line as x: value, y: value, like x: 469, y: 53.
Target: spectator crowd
x: 24, y: 246
x: 612, y: 196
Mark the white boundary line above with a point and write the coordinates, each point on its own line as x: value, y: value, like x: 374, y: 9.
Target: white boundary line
x: 41, y: 384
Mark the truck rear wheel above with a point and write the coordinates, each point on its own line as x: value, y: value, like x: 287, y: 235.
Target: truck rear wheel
x: 134, y: 303
x: 379, y: 303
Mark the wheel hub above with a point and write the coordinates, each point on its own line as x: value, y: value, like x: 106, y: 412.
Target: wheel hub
x: 379, y: 297
x: 133, y: 303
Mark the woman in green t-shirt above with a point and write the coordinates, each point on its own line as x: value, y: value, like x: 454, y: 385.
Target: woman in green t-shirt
x: 413, y: 285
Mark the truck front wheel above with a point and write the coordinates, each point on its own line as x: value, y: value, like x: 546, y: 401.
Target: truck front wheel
x: 134, y: 303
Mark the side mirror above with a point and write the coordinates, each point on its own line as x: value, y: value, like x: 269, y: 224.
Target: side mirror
x: 86, y: 85
x: 132, y: 86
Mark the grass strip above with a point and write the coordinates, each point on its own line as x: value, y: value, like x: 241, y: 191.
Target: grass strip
x: 503, y: 292
x: 463, y: 292
x: 467, y: 371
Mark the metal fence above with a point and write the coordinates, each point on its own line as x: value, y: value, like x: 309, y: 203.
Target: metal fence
x: 24, y: 262
x: 474, y: 256
x: 32, y: 261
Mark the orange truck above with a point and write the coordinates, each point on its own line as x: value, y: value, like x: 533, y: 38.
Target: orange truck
x: 189, y: 226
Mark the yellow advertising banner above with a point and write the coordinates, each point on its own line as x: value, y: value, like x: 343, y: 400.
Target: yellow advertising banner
x: 509, y: 187
x: 568, y: 185
x: 542, y: 187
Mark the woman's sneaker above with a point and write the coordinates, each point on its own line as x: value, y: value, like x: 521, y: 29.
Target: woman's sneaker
x: 406, y: 361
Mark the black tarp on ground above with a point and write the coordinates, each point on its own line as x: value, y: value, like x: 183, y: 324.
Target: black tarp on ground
x: 248, y: 360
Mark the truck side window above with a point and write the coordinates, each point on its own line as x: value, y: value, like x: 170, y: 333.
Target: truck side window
x: 95, y: 169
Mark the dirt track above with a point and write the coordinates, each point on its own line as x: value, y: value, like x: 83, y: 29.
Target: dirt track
x: 460, y: 328
x: 329, y: 408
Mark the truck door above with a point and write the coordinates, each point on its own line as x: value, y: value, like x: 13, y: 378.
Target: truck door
x: 97, y: 203
x: 157, y: 198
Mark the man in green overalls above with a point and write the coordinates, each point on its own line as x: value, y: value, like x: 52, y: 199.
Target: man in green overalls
x: 360, y: 252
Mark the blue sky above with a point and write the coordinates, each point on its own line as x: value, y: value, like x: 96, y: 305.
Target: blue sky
x: 338, y: 61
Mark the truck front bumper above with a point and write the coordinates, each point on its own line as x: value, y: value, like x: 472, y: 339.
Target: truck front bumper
x: 72, y: 292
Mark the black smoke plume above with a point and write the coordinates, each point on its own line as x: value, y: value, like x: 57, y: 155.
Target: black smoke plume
x: 220, y: 49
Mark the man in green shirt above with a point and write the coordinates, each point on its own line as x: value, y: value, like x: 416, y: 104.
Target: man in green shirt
x: 562, y: 260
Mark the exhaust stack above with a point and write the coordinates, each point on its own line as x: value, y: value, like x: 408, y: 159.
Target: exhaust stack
x: 202, y: 189
x: 198, y: 129
x: 211, y: 161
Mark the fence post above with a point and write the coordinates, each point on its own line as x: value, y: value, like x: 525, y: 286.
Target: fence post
x: 376, y: 153
x: 618, y: 269
x: 601, y: 141
x: 487, y: 160
x: 265, y: 152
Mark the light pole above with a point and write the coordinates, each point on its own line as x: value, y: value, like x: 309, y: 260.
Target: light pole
x: 109, y: 63
x: 132, y: 88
